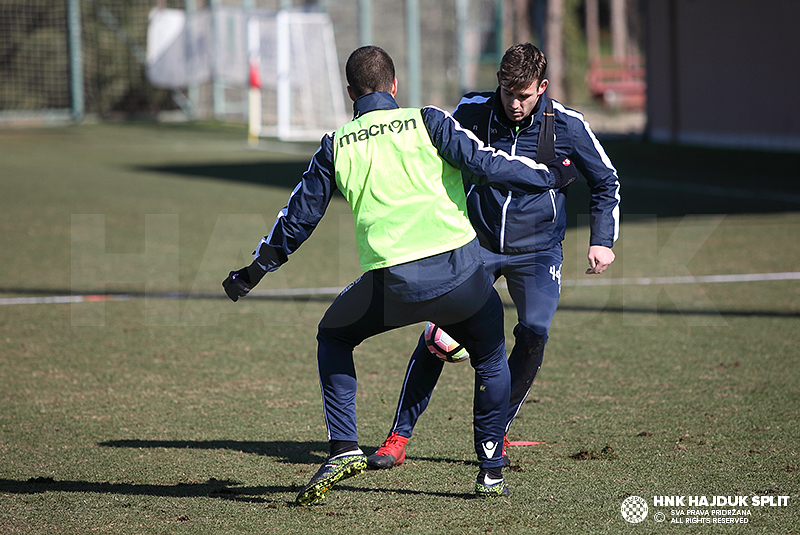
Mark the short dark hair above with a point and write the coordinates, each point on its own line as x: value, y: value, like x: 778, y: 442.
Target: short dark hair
x: 369, y: 69
x: 522, y: 65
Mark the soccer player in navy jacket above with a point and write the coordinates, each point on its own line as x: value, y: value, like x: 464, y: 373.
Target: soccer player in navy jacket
x: 520, y: 232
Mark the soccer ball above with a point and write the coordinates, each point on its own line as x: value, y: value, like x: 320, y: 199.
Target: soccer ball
x: 443, y: 345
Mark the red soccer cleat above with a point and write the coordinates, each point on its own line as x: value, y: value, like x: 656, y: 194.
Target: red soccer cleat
x: 391, y: 453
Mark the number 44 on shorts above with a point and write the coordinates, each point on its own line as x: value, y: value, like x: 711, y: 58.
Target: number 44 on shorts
x: 555, y: 273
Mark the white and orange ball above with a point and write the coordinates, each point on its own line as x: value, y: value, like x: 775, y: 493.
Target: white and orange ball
x: 443, y: 345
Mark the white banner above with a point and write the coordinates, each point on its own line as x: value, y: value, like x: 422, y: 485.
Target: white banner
x: 178, y: 52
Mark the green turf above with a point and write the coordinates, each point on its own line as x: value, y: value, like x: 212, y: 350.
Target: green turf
x: 204, y: 416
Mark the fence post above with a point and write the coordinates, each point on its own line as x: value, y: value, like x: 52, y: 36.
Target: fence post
x: 218, y: 97
x: 365, y: 22
x: 193, y: 91
x: 414, y: 54
x: 75, y: 58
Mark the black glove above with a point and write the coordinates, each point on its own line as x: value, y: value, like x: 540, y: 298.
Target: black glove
x: 565, y: 171
x: 239, y: 283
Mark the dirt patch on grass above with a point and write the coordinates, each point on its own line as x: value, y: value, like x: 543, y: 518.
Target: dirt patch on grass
x: 605, y: 454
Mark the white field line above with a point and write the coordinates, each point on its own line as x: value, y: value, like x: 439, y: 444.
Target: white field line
x: 702, y: 279
x: 335, y: 290
x: 63, y: 299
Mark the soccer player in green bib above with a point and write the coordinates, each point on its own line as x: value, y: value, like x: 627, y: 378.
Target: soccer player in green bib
x: 400, y: 170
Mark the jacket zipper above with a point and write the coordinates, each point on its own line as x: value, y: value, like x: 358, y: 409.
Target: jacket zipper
x: 508, y: 199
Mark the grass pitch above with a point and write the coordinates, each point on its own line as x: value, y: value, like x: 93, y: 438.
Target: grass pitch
x: 197, y: 415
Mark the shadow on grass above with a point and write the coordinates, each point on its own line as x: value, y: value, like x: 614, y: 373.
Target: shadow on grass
x: 278, y: 174
x: 406, y: 492
x: 442, y: 460
x: 657, y: 180
x: 283, y: 450
x: 212, y: 488
x: 287, y: 451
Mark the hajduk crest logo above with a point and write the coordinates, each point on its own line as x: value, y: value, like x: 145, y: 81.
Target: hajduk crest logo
x: 634, y: 509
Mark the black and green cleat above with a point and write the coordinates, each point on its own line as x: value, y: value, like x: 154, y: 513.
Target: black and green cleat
x: 488, y: 487
x: 332, y: 471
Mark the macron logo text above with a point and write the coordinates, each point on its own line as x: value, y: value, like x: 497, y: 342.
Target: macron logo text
x: 395, y: 127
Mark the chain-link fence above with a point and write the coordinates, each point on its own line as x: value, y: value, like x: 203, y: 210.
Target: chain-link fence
x: 38, y: 64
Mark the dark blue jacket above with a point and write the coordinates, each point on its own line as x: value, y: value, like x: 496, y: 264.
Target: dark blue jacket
x: 459, y: 147
x: 508, y: 221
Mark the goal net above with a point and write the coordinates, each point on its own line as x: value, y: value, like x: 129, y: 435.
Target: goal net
x: 301, y: 89
x: 288, y: 58
x: 60, y: 59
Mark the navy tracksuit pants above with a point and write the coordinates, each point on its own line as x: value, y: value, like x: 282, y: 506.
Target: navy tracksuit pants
x: 534, y: 283
x: 472, y: 313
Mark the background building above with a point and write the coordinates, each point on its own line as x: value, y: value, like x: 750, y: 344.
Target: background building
x: 723, y: 73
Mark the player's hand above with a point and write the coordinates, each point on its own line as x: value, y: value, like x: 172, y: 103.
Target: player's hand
x: 564, y: 171
x: 239, y: 283
x: 600, y: 258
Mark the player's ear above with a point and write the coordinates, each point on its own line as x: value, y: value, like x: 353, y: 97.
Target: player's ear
x: 543, y: 86
x: 350, y: 92
x: 394, y: 87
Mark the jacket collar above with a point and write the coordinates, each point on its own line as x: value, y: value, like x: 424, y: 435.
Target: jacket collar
x: 534, y: 117
x: 373, y: 101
